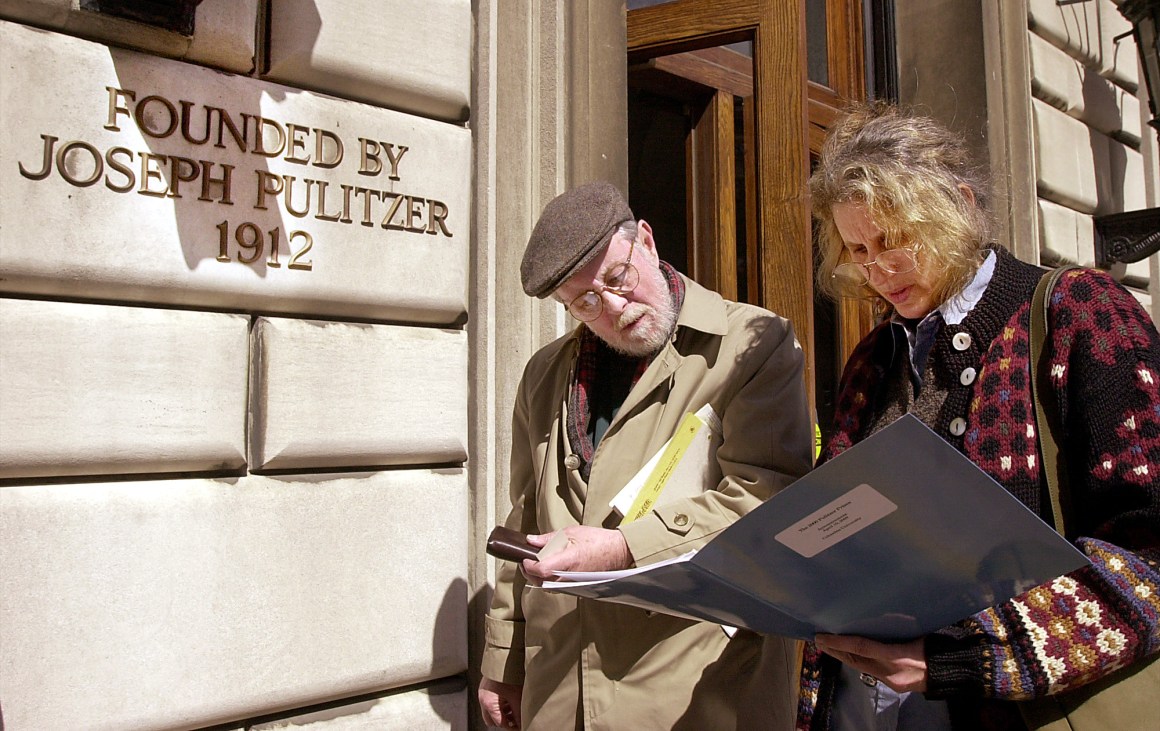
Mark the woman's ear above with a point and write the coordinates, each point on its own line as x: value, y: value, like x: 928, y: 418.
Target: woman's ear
x: 968, y: 194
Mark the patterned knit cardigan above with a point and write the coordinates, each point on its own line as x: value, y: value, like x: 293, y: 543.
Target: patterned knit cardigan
x: 1105, y: 372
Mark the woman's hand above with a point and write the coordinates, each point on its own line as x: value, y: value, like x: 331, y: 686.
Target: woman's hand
x: 900, y: 666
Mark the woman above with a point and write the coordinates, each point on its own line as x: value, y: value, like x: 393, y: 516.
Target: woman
x: 903, y: 219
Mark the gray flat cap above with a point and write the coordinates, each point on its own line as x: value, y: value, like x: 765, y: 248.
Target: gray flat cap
x: 574, y: 227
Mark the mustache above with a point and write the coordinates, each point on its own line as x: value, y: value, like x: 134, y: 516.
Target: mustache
x: 631, y: 314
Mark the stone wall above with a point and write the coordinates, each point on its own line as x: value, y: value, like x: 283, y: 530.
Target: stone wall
x: 1089, y: 128
x: 1050, y: 95
x: 234, y: 366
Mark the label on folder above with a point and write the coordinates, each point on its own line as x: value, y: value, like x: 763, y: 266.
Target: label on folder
x: 836, y: 521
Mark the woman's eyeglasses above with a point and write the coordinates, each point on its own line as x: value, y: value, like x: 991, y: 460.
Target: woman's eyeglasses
x: 891, y: 261
x: 621, y: 280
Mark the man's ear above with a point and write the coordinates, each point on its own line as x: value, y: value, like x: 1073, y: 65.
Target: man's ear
x: 968, y: 194
x: 646, y: 237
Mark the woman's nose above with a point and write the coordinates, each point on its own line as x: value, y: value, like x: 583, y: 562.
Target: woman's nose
x: 876, y: 274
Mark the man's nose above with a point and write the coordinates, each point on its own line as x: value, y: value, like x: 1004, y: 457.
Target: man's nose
x: 614, y: 303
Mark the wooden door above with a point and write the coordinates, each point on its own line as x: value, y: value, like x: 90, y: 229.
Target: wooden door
x: 728, y: 103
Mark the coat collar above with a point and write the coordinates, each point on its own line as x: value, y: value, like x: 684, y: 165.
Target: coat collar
x: 703, y: 311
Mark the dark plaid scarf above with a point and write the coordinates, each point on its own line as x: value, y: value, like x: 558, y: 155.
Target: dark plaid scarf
x: 593, y: 356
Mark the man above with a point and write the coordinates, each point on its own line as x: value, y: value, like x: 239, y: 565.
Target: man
x: 592, y: 408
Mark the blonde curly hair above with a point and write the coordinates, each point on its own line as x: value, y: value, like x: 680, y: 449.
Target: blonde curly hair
x: 909, y: 172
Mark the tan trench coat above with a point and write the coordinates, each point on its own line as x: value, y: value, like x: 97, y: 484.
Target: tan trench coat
x: 596, y: 665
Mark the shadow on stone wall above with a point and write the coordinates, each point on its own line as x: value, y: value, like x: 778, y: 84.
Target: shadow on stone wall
x: 210, y: 142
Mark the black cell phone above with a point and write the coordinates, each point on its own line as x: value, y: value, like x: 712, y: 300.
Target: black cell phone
x: 510, y: 545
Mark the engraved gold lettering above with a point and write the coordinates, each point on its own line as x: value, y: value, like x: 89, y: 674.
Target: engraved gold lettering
x: 122, y: 168
x: 415, y: 212
x: 346, y: 193
x: 117, y: 107
x: 394, y: 158
x: 367, y: 195
x: 208, y: 180
x: 438, y: 216
x: 325, y: 141
x: 240, y: 137
x: 296, y: 260
x: 261, y: 144
x: 186, y: 121
x: 252, y: 243
x: 288, y: 197
x: 370, y: 163
x: 45, y: 160
x: 275, y: 238
x: 322, y: 215
x: 223, y: 242
x: 181, y: 170
x: 68, y: 167
x: 387, y: 219
x: 150, y: 171
x: 295, y: 142
x: 268, y: 184
x: 147, y: 120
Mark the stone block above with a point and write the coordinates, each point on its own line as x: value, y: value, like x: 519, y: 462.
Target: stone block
x: 1068, y: 85
x: 153, y: 180
x: 1056, y: 78
x: 1120, y: 59
x: 1132, y: 130
x: 1074, y: 27
x: 224, y: 33
x: 329, y: 394
x: 224, y: 30
x: 412, y: 55
x: 1126, y: 191
x: 1066, y: 232
x: 190, y: 603
x: 95, y: 389
x: 48, y: 13
x: 1067, y: 154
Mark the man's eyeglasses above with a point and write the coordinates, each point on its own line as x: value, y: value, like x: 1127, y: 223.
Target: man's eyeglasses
x: 891, y: 261
x: 621, y: 280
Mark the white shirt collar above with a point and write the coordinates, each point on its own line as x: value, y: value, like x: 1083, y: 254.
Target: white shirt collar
x: 956, y: 309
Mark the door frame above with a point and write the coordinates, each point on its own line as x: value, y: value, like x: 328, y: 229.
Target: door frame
x: 781, y: 134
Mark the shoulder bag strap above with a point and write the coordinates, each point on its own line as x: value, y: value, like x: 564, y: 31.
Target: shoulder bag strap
x: 1046, y: 409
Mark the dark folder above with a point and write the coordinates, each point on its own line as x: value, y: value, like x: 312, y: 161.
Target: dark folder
x: 894, y: 538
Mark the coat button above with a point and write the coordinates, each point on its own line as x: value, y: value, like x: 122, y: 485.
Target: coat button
x: 967, y: 377
x: 958, y: 426
x: 572, y: 462
x: 681, y: 520
x: 961, y: 341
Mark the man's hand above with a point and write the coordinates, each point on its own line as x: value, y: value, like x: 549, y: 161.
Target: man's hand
x: 588, y: 549
x: 500, y: 703
x: 900, y: 666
